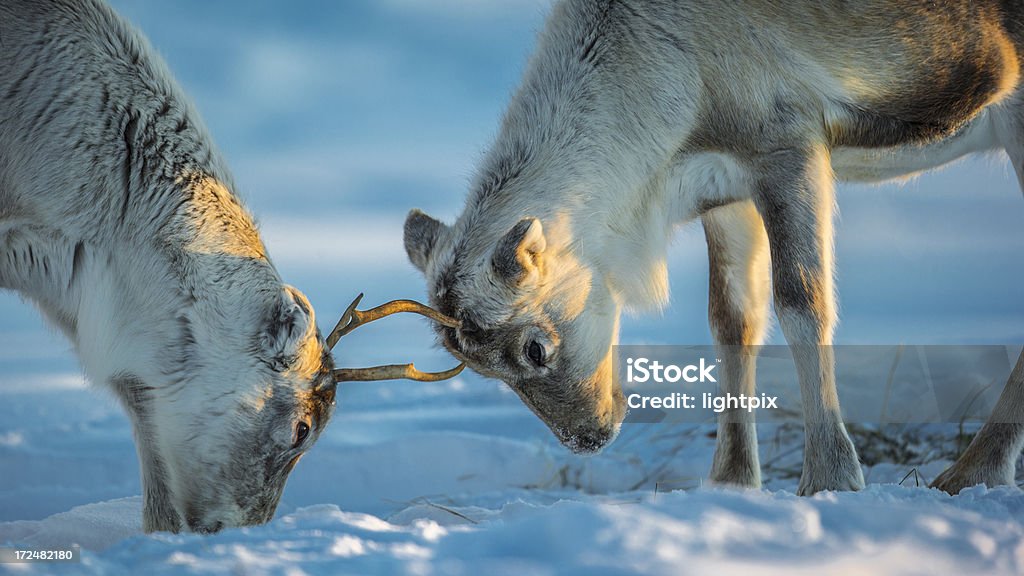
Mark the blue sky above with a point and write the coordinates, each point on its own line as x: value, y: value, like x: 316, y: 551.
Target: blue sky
x: 338, y: 117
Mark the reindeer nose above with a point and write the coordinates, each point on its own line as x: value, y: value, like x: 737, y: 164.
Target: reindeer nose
x: 589, y: 441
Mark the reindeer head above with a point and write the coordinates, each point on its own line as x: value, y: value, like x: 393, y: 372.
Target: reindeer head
x: 217, y: 448
x: 530, y: 314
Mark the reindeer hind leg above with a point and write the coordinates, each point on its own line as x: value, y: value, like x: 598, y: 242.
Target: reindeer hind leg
x: 991, y: 456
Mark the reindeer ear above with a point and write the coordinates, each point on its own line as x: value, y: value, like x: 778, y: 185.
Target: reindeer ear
x: 516, y: 256
x: 421, y: 235
x: 290, y: 326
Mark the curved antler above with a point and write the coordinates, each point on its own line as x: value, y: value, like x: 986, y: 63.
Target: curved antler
x: 353, y: 318
x: 393, y: 372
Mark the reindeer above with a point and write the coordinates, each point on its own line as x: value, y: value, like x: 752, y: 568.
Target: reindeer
x: 119, y: 221
x: 636, y: 116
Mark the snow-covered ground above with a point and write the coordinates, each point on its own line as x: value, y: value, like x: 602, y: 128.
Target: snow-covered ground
x: 459, y: 478
x: 339, y: 116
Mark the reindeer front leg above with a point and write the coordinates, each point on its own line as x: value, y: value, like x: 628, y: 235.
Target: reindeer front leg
x: 738, y: 314
x: 793, y: 193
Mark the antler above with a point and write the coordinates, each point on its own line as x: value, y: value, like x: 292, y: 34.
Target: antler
x: 353, y: 318
x: 392, y: 372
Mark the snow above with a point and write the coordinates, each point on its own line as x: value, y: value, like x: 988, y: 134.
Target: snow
x: 904, y: 530
x: 459, y: 478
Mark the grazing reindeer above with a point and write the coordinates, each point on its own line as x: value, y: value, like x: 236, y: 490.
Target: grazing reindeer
x: 635, y: 116
x: 117, y: 218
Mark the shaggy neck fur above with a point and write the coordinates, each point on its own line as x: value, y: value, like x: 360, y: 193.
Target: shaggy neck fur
x: 565, y: 148
x: 204, y: 285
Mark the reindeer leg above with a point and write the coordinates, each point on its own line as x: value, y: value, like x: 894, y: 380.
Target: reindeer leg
x: 738, y: 314
x: 793, y: 193
x: 991, y: 457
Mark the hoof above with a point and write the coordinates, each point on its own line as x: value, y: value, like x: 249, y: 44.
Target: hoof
x: 851, y: 481
x: 960, y: 476
x: 830, y: 463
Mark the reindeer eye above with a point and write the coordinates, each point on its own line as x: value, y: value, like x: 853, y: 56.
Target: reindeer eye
x: 301, y: 432
x: 536, y: 353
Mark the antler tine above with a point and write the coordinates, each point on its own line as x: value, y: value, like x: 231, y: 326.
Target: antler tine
x: 353, y: 318
x: 393, y: 372
x: 337, y: 333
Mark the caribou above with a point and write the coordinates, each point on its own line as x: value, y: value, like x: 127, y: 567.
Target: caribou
x: 118, y: 219
x: 636, y: 116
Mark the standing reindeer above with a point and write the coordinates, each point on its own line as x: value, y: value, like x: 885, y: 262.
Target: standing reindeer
x: 117, y: 218
x: 635, y: 116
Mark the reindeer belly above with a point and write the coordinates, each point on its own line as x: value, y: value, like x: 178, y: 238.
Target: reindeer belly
x: 932, y: 99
